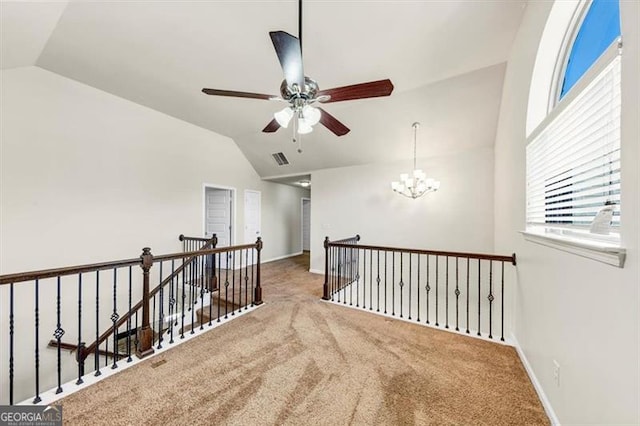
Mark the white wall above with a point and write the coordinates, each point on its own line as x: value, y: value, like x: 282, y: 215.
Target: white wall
x: 103, y: 177
x: 577, y: 311
x: 359, y: 200
x: 87, y: 176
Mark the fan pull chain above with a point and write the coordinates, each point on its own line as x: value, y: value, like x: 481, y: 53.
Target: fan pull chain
x: 295, y: 126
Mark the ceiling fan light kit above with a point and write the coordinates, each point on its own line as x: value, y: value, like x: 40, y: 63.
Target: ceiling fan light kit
x: 415, y: 184
x: 301, y: 92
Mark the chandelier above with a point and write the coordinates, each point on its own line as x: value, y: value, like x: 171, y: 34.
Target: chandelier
x: 415, y: 184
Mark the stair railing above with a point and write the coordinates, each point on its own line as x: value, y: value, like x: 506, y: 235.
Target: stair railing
x: 85, y: 351
x: 454, y: 290
x: 109, y: 288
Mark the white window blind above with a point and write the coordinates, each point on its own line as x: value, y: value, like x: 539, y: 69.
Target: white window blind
x: 573, y: 164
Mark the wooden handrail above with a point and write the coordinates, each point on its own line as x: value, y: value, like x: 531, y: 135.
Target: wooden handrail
x: 73, y: 270
x: 70, y: 270
x: 484, y: 256
x: 184, y: 237
x: 203, y: 252
x: 346, y: 240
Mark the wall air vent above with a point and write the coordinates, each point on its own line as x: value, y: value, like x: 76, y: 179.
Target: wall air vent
x: 280, y: 159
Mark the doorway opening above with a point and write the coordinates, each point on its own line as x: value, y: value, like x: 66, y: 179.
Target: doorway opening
x: 219, y: 216
x: 306, y: 225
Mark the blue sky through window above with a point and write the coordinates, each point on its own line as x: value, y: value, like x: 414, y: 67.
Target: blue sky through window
x: 601, y: 26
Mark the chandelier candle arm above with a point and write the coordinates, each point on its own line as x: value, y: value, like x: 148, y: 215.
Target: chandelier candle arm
x: 416, y: 183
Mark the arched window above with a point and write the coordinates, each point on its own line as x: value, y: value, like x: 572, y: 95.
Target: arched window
x: 600, y: 28
x: 573, y: 155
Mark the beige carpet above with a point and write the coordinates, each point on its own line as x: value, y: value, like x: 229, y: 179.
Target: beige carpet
x: 298, y: 360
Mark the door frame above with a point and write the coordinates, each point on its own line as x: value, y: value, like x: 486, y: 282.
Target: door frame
x: 232, y: 234
x: 302, y: 200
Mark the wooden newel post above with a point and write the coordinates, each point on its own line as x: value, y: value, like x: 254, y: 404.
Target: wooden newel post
x: 145, y: 333
x: 325, y: 286
x: 258, y: 289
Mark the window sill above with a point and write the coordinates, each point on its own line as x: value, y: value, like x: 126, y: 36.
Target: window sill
x: 602, y: 252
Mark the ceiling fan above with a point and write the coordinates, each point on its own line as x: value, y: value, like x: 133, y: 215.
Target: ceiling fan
x: 302, y: 92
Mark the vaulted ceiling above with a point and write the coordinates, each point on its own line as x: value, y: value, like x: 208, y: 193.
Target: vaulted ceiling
x: 445, y: 58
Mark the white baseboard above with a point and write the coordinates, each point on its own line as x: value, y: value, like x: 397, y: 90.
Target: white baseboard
x: 316, y: 271
x: 282, y: 257
x: 546, y: 404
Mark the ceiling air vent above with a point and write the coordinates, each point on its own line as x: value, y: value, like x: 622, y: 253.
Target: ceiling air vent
x: 280, y: 159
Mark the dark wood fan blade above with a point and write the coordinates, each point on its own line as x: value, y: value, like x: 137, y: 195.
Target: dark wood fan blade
x: 290, y: 56
x: 332, y: 123
x: 271, y: 127
x: 373, y: 89
x: 235, y: 94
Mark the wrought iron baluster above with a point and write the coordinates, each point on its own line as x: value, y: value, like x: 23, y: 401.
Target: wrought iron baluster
x: 233, y: 283
x: 479, y: 298
x: 378, y: 279
x: 226, y: 287
x: 358, y: 278
x: 172, y: 301
x: 385, y: 281
x: 240, y: 285
x: 129, y: 359
x: 183, y: 296
x: 80, y: 351
x: 364, y: 280
x: 96, y: 354
x: 393, y: 283
x: 219, y: 288
x: 213, y: 284
x: 351, y: 275
x: 114, y: 319
x: 253, y: 266
x: 418, y: 288
x: 160, y: 309
x: 345, y: 274
x: 58, y: 333
x: 468, y: 261
x: 11, y: 331
x: 457, y: 293
x: 153, y: 314
x: 401, y: 284
x: 338, y: 277
x: 446, y: 293
x: 192, y: 292
x: 427, y: 288
x: 410, y: 261
x: 370, y: 280
x: 490, y: 297
x: 502, y: 302
x: 135, y: 341
x: 246, y: 279
x: 437, y: 297
x: 37, y: 344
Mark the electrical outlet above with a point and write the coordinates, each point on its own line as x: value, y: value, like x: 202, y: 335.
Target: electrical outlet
x: 556, y: 373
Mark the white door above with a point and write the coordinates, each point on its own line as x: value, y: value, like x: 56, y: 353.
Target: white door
x: 306, y: 224
x: 251, y: 216
x: 218, y: 213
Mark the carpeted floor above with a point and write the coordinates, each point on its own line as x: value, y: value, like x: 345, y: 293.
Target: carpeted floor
x: 298, y: 360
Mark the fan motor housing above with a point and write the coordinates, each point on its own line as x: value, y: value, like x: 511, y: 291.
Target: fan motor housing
x: 309, y: 92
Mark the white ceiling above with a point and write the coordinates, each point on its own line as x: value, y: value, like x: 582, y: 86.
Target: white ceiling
x: 25, y: 28
x: 445, y: 59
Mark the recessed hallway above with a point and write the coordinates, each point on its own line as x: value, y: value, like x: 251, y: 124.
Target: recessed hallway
x: 300, y: 360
